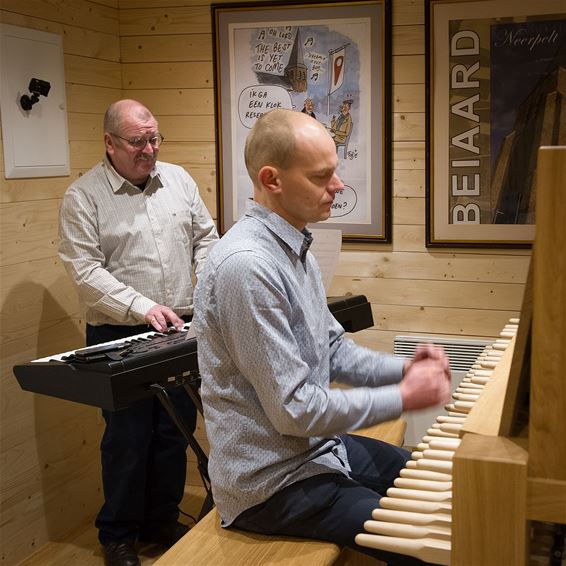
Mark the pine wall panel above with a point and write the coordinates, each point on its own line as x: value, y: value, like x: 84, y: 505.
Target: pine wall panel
x: 49, y: 456
x: 160, y: 52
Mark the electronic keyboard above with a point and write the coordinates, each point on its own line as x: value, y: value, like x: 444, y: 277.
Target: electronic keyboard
x: 115, y: 374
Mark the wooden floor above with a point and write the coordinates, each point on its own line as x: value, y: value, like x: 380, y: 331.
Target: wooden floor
x: 82, y: 548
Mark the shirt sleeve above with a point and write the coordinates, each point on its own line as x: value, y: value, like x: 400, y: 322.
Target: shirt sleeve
x: 355, y: 365
x: 254, y: 319
x: 80, y: 251
x: 204, y: 231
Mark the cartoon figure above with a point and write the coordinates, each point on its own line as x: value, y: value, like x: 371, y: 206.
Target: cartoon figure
x: 341, y: 127
x: 308, y: 108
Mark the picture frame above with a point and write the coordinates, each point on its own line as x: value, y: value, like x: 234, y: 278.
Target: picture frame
x: 332, y: 58
x: 489, y: 69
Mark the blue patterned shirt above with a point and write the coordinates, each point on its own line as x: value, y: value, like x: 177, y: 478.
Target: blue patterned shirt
x: 268, y: 349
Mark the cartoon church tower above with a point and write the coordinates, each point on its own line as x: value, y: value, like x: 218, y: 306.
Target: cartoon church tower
x: 296, y: 70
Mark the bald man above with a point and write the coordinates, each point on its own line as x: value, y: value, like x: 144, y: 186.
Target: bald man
x: 132, y: 229
x: 281, y: 461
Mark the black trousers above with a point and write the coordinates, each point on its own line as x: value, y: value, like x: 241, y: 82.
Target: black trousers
x: 334, y: 507
x: 143, y: 456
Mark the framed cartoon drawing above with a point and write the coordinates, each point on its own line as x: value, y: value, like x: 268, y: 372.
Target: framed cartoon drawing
x: 330, y: 60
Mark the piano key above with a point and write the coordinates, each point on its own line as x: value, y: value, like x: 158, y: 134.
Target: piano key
x: 444, y: 443
x: 408, y: 531
x: 424, y: 475
x: 415, y: 505
x: 444, y: 519
x: 408, y: 483
x: 420, y: 494
x: 438, y: 454
x: 434, y: 465
x: 427, y: 549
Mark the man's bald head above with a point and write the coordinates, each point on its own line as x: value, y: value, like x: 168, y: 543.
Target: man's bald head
x: 273, y: 140
x: 125, y: 109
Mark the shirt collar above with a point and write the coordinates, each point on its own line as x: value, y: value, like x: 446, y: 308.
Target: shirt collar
x: 117, y: 181
x: 298, y: 241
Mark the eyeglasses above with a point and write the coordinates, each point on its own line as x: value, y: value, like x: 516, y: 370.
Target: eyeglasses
x: 140, y: 143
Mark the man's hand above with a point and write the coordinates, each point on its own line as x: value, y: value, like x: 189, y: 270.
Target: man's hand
x: 426, y: 381
x: 158, y: 316
x: 429, y: 351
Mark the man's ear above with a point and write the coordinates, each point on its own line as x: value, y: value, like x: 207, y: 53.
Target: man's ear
x: 108, y: 143
x: 269, y: 179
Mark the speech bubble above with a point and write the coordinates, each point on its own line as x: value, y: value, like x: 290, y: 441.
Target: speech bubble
x: 344, y: 203
x: 256, y: 100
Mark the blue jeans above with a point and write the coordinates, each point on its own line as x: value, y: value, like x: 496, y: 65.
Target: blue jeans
x: 331, y: 506
x: 143, y: 456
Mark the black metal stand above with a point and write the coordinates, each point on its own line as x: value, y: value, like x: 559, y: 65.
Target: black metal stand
x: 202, y: 458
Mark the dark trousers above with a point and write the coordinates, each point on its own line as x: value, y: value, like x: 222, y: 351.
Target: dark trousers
x: 143, y: 457
x: 333, y: 507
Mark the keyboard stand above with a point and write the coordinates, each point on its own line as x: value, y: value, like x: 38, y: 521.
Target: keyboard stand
x: 202, y: 458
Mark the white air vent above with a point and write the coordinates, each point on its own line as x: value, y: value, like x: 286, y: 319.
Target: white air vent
x: 461, y: 353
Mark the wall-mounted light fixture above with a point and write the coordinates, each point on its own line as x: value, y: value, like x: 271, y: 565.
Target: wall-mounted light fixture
x: 38, y: 88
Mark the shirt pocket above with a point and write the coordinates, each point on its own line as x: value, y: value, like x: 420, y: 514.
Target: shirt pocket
x: 182, y: 220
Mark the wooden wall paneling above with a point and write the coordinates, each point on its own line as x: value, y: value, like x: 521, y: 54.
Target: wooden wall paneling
x: 205, y: 178
x: 193, y: 74
x: 50, y: 480
x: 446, y: 265
x: 91, y: 99
x: 165, y: 20
x: 79, y: 13
x: 28, y: 231
x: 408, y: 39
x: 409, y: 183
x: 86, y: 127
x: 38, y: 299
x: 408, y: 69
x: 409, y: 210
x: 443, y: 293
x: 408, y: 126
x: 187, y: 128
x: 85, y: 154
x: 197, y: 153
x: 407, y: 12
x: 176, y: 102
x: 408, y: 98
x: 76, y: 41
x: 154, y: 49
x: 437, y: 320
x: 36, y: 189
x: 408, y: 238
x: 408, y: 154
x: 88, y: 71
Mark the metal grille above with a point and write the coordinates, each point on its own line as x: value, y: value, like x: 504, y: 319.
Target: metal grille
x: 461, y: 353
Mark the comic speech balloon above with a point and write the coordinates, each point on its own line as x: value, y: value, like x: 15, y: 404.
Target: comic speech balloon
x: 256, y: 100
x: 344, y: 202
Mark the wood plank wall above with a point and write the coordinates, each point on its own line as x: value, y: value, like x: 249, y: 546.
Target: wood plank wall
x: 49, y: 457
x: 160, y: 52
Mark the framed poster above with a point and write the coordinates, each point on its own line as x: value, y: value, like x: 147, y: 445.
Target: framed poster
x: 492, y: 78
x: 329, y: 59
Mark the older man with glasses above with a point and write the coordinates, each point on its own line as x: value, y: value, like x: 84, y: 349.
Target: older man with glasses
x: 132, y: 229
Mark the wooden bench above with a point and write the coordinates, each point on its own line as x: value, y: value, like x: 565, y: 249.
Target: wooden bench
x: 208, y: 544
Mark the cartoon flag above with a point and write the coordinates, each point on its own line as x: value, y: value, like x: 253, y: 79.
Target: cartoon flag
x: 337, y: 69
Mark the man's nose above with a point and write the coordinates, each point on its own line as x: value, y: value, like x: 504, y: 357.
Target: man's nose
x: 335, y: 184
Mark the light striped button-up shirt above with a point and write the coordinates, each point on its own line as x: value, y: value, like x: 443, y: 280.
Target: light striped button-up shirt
x: 268, y: 348
x: 127, y: 249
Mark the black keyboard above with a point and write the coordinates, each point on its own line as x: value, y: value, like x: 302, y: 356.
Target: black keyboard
x: 115, y: 374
